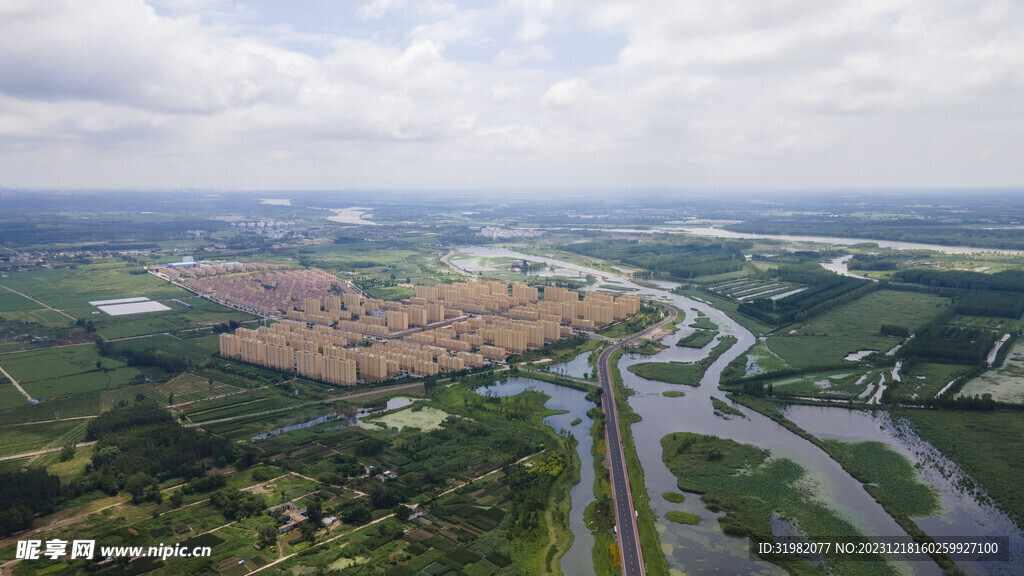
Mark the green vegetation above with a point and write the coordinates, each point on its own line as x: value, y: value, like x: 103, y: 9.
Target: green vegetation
x: 670, y: 256
x: 1004, y: 384
x: 32, y: 437
x: 702, y: 322
x: 722, y: 408
x: 766, y: 487
x: 728, y: 306
x: 673, y: 393
x: 826, y: 340
x: 971, y: 439
x: 648, y: 348
x: 688, y: 374
x: 680, y: 517
x: 698, y: 339
x: 879, y: 466
x: 674, y: 497
x: 825, y: 291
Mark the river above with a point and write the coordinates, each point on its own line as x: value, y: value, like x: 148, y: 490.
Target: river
x: 578, y: 559
x: 698, y: 548
x: 961, y: 514
x: 836, y: 240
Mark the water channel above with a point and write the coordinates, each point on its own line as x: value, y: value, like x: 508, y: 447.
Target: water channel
x: 578, y: 560
x: 703, y: 548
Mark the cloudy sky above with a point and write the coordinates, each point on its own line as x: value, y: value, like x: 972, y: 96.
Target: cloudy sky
x: 510, y: 94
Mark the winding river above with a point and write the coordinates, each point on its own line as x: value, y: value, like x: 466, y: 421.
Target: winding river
x: 703, y: 547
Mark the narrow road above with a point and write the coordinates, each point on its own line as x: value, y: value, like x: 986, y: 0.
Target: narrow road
x: 622, y: 494
x: 41, y: 452
x: 38, y: 302
x: 16, y: 384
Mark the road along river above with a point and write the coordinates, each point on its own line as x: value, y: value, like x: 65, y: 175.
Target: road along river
x: 703, y: 547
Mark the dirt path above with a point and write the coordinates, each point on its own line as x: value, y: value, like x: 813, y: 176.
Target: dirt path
x: 41, y: 452
x: 38, y: 302
x: 16, y: 385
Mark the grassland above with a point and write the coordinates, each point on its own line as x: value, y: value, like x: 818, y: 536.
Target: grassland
x: 680, y: 517
x: 722, y: 408
x: 766, y: 487
x: 989, y: 446
x: 698, y: 339
x: 55, y: 372
x: 926, y: 379
x: 878, y: 465
x: 827, y: 339
x: 67, y: 288
x: 687, y: 373
x: 31, y: 437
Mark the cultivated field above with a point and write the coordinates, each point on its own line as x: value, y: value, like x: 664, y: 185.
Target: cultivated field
x: 826, y: 340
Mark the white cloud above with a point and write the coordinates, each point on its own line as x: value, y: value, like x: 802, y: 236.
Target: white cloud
x: 689, y: 93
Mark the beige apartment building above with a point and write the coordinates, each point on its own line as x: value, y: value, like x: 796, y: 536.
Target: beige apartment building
x: 320, y: 340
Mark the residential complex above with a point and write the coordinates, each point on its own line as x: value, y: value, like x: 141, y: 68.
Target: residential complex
x: 343, y: 339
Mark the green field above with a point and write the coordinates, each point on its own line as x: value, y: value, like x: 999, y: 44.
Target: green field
x: 9, y: 395
x: 989, y: 446
x: 32, y: 437
x: 926, y: 379
x: 826, y: 340
x: 64, y: 288
x: 10, y: 301
x: 85, y: 404
x: 71, y: 370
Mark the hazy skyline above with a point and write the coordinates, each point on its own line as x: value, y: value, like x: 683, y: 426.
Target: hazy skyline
x: 515, y: 94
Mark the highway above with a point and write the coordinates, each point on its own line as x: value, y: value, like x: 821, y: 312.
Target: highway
x: 625, y: 515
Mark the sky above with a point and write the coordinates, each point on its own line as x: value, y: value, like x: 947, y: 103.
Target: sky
x: 511, y: 94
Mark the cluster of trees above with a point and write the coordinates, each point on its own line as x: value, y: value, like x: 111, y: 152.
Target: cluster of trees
x: 225, y: 328
x: 935, y: 230
x: 941, y: 342
x: 147, y: 357
x: 235, y: 504
x: 872, y: 262
x: 670, y: 257
x: 531, y: 488
x: 990, y: 303
x: 140, y: 445
x: 24, y: 494
x: 894, y: 330
x: 1006, y: 281
x: 825, y: 290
